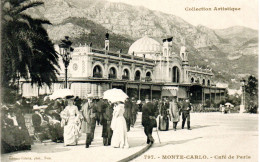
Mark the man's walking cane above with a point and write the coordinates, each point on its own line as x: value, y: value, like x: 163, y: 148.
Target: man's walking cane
x: 158, y: 135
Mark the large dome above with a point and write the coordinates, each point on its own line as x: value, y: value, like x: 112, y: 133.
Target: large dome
x: 145, y: 45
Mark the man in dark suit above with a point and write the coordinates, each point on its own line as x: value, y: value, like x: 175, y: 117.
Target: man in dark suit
x: 128, y: 113
x: 186, y: 107
x: 148, y: 119
x: 134, y: 111
x: 108, y: 132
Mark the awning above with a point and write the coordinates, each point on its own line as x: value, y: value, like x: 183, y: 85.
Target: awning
x: 170, y: 88
x: 169, y: 92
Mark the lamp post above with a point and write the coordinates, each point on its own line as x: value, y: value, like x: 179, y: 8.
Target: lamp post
x: 242, y: 105
x: 65, y: 52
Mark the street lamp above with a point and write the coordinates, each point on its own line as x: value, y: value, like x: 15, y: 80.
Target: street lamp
x: 65, y: 52
x: 242, y: 105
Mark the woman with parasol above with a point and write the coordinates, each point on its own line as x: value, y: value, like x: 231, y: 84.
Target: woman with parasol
x: 118, y: 123
x: 71, y: 117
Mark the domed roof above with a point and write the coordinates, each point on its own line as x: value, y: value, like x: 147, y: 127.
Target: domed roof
x: 145, y: 45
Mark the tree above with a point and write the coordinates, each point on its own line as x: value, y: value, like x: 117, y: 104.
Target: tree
x: 251, y: 94
x: 27, y: 51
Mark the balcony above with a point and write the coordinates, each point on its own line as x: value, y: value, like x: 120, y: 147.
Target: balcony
x: 97, y: 75
x: 125, y: 77
x: 148, y: 79
x: 137, y: 78
x: 112, y: 76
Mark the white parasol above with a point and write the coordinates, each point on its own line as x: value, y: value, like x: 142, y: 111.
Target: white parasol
x: 61, y: 93
x: 228, y: 104
x: 115, y: 95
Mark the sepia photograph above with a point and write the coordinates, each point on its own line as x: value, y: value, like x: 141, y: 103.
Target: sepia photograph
x: 129, y: 80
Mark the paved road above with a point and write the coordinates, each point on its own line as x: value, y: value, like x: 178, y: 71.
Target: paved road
x: 213, y: 136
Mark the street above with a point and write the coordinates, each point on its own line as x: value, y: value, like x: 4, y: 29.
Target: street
x: 214, y: 137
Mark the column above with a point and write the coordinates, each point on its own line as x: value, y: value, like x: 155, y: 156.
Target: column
x: 161, y: 91
x: 215, y: 96
x: 126, y: 88
x: 202, y: 95
x: 110, y: 85
x: 210, y: 95
x: 139, y: 91
x: 151, y: 92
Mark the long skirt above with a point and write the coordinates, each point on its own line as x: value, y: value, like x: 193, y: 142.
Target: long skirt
x: 163, y: 123
x: 119, y: 138
x: 71, y: 133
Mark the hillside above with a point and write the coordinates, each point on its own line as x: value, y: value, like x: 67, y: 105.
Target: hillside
x: 87, y: 21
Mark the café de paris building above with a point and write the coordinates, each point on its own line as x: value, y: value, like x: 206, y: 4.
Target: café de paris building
x: 149, y: 68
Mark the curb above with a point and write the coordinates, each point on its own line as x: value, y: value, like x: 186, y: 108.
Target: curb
x: 135, y: 155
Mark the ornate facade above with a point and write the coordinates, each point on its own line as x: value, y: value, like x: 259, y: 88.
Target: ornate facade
x: 148, y: 68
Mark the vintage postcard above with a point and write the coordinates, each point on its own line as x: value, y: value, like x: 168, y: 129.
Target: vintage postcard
x: 129, y: 80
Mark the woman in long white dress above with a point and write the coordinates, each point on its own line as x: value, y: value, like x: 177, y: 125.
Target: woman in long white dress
x: 118, y: 125
x: 71, y: 129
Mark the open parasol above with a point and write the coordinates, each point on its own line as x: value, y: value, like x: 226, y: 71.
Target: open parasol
x: 115, y: 95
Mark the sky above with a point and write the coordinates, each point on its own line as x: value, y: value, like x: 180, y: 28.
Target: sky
x: 247, y: 16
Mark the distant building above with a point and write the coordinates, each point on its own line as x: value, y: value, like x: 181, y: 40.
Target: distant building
x: 149, y: 68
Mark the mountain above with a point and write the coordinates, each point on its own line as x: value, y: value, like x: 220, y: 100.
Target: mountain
x: 237, y: 34
x: 85, y: 21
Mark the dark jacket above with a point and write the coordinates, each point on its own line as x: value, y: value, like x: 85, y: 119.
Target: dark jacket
x: 186, y: 107
x: 147, y: 110
x: 134, y: 108
x: 108, y: 115
x: 128, y: 110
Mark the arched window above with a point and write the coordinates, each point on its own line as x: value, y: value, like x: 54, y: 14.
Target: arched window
x: 97, y: 72
x: 208, y: 82
x: 175, y: 74
x: 112, y: 73
x: 148, y: 76
x: 192, y: 80
x: 198, y: 80
x: 203, y: 82
x: 125, y: 75
x: 137, y: 75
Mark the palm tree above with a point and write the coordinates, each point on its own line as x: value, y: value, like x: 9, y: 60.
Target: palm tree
x: 27, y: 51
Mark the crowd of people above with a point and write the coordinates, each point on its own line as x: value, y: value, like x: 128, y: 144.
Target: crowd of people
x: 64, y: 120
x: 15, y: 135
x: 115, y: 118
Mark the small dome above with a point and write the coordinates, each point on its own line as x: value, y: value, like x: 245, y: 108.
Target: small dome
x: 145, y: 45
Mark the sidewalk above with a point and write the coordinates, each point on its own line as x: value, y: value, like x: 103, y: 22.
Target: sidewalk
x: 213, y: 135
x: 96, y: 152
